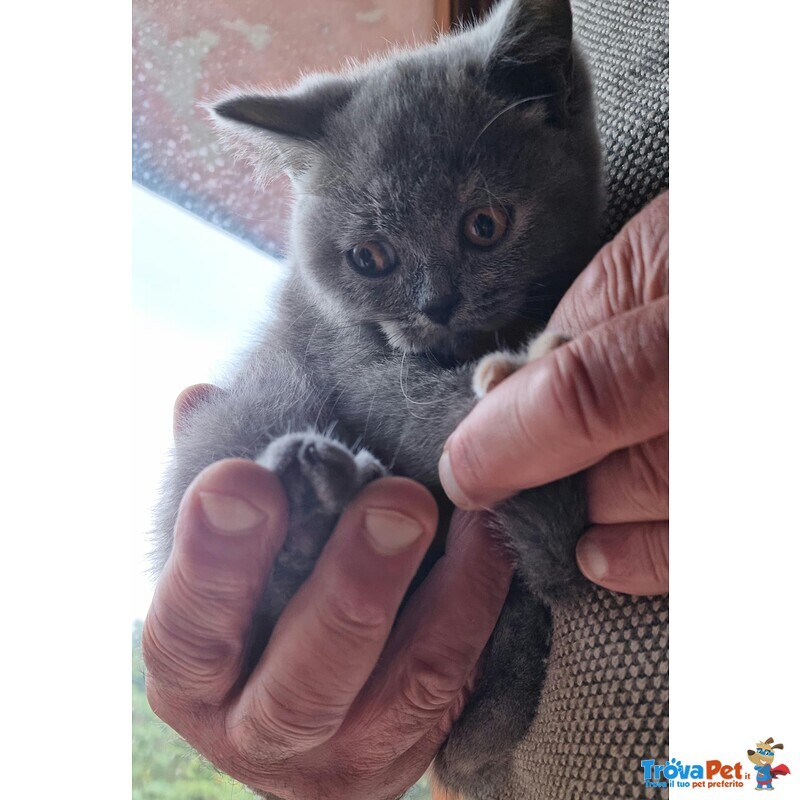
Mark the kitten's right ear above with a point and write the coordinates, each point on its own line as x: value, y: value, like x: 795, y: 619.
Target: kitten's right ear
x: 533, y: 54
x: 280, y: 132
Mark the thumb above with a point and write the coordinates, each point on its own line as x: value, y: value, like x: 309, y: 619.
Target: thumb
x: 605, y: 390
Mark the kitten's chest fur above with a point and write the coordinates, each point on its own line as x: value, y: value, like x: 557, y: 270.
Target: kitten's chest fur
x: 400, y: 406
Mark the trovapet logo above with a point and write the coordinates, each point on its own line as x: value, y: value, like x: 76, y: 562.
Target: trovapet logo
x: 716, y: 774
x: 709, y: 774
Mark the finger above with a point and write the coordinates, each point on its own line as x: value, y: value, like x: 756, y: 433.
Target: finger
x: 419, y: 687
x: 187, y: 401
x: 631, y: 558
x: 230, y: 525
x: 329, y: 637
x: 631, y: 485
x: 558, y: 415
x: 630, y: 271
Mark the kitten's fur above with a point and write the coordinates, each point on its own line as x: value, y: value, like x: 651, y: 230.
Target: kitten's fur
x: 400, y: 150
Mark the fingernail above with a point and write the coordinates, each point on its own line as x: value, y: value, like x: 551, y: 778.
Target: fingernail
x: 591, y: 559
x: 450, y: 485
x: 390, y: 531
x: 230, y: 514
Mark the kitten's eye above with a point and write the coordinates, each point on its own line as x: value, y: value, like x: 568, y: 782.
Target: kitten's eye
x: 486, y: 226
x: 373, y: 259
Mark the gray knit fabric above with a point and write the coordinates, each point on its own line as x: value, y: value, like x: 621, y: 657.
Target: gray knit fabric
x: 604, y: 705
x: 627, y: 45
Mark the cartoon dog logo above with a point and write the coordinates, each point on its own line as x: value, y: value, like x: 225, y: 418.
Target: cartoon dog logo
x: 762, y: 757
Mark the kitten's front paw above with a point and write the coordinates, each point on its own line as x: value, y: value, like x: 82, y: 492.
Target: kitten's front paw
x: 319, y: 474
x: 494, y: 368
x: 320, y: 477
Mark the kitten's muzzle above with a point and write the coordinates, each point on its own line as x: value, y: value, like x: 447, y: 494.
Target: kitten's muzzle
x: 441, y: 309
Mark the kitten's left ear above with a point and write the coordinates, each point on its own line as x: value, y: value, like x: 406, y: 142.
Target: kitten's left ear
x: 281, y: 132
x: 532, y: 55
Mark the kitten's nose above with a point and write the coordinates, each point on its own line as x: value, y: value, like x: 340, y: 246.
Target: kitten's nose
x: 442, y: 308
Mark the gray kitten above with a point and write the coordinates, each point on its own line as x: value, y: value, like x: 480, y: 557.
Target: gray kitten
x: 445, y: 199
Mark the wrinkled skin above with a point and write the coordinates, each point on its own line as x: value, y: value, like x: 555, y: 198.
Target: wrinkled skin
x: 320, y: 720
x: 599, y: 402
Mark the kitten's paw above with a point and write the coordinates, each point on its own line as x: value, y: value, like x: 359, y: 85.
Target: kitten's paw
x: 320, y: 475
x: 494, y: 368
x: 545, y: 343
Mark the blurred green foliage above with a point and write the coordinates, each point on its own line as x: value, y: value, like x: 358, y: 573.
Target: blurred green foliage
x: 166, y: 768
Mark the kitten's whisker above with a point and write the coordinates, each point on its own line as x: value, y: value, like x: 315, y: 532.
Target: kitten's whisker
x: 506, y: 109
x: 369, y: 411
x: 489, y: 192
x: 300, y: 315
x: 409, y: 401
x: 331, y: 427
x: 391, y: 465
x: 308, y: 346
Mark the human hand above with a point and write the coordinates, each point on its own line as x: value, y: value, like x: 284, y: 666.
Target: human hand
x: 599, y: 402
x: 343, y: 703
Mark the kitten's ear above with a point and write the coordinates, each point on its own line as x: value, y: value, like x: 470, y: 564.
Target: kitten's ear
x: 532, y: 55
x: 280, y: 132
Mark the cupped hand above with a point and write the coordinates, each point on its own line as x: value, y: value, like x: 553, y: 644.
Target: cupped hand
x: 599, y: 402
x: 345, y: 701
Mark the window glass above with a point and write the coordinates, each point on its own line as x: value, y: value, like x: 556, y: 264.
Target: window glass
x: 185, y: 52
